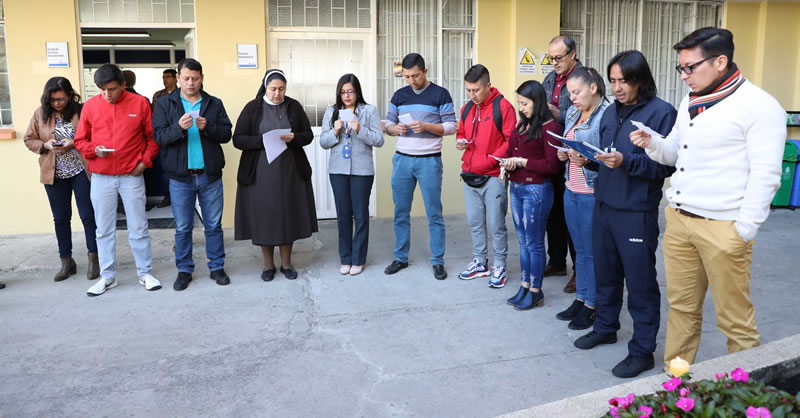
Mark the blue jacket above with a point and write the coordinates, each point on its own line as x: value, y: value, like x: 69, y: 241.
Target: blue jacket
x: 637, y: 184
x: 588, y: 131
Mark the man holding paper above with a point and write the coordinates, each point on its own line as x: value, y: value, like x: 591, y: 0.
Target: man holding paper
x: 189, y: 126
x: 727, y: 145
x: 420, y: 114
x: 115, y: 134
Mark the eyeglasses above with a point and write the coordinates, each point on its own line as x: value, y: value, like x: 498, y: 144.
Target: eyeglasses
x: 347, y: 92
x: 559, y: 58
x: 689, y: 69
x: 60, y: 100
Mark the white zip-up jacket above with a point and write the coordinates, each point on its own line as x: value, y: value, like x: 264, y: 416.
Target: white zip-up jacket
x: 727, y: 159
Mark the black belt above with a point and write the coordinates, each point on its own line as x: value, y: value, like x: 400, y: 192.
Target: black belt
x: 690, y: 214
x: 196, y: 171
x: 438, y: 154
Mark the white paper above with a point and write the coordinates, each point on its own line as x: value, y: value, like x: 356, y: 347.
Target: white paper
x: 346, y: 115
x: 194, y: 113
x: 497, y: 158
x: 108, y: 149
x: 273, y: 143
x: 646, y: 128
x: 406, y: 119
x: 558, y: 148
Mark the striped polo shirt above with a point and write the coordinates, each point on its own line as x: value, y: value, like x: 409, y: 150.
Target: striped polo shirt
x: 432, y: 105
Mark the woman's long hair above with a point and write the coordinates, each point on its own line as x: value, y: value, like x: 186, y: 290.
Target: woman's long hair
x: 347, y: 78
x: 73, y: 99
x: 534, y: 91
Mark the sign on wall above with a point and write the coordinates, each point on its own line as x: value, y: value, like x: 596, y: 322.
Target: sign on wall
x: 547, y: 63
x: 247, y: 55
x: 57, y: 54
x: 526, y: 62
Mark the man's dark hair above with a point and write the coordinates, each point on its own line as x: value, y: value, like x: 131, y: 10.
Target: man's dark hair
x: 171, y: 71
x: 477, y: 72
x: 130, y: 78
x: 190, y: 64
x: 414, y: 60
x: 568, y: 42
x: 636, y: 71
x: 108, y: 73
x: 712, y: 41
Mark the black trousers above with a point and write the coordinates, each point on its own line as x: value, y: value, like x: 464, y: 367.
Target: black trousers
x: 351, y: 196
x: 624, y: 245
x: 60, y: 196
x: 558, y: 239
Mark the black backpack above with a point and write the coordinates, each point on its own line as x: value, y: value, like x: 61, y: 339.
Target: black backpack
x: 496, y: 115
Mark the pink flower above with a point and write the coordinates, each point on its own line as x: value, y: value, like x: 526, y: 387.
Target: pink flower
x: 740, y: 375
x: 663, y: 409
x: 614, y: 412
x: 672, y: 384
x: 684, y: 392
x: 647, y: 411
x: 721, y: 375
x: 753, y: 412
x: 687, y: 404
x: 622, y: 402
x: 613, y: 401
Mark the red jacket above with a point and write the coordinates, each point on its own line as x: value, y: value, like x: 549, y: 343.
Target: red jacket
x: 487, y: 139
x: 125, y: 126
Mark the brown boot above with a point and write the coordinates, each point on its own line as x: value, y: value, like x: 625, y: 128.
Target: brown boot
x: 68, y: 268
x: 570, y: 287
x: 93, y: 268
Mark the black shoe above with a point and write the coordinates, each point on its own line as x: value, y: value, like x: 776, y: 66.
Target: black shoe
x: 439, y: 272
x: 2, y: 285
x: 583, y: 320
x: 164, y: 203
x: 570, y: 313
x: 633, y: 366
x: 290, y: 273
x: 68, y: 268
x: 518, y: 297
x: 554, y: 271
x: 593, y: 339
x: 268, y: 275
x: 395, y: 267
x: 221, y: 278
x: 182, y: 281
x: 530, y: 300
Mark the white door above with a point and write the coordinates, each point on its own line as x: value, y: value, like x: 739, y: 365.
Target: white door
x: 313, y: 63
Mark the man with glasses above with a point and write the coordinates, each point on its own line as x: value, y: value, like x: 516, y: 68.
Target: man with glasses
x: 727, y: 145
x: 565, y: 59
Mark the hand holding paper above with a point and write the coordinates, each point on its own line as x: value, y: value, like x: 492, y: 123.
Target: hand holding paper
x: 650, y: 131
x: 273, y: 144
x: 584, y: 148
x: 194, y: 114
x: 406, y: 119
x: 642, y: 136
x: 346, y: 115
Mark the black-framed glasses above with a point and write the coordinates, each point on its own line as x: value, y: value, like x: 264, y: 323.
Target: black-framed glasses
x: 347, y: 92
x: 559, y: 58
x: 689, y: 69
x: 59, y: 100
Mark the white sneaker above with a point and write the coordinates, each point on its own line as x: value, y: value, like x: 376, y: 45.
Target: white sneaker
x: 101, y: 286
x: 149, y: 282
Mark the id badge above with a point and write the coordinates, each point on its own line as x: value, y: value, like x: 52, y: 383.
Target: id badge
x: 346, y: 151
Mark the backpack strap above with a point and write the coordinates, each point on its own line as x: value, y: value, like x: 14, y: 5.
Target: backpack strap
x: 497, y: 115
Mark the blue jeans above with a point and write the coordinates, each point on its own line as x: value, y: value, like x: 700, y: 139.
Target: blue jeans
x: 60, y: 196
x: 406, y: 172
x: 578, y: 209
x: 530, y: 207
x: 183, y: 195
x: 130, y: 189
x: 351, y: 195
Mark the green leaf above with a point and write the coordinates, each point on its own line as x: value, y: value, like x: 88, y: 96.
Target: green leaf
x: 708, y: 410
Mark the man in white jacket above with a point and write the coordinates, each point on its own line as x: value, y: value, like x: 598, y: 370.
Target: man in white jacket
x: 726, y: 146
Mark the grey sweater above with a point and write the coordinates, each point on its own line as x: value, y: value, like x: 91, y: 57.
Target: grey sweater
x: 369, y: 135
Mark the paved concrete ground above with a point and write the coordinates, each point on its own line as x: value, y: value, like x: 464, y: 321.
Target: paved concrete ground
x: 323, y: 345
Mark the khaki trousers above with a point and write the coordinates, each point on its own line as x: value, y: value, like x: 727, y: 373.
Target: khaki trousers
x: 698, y: 253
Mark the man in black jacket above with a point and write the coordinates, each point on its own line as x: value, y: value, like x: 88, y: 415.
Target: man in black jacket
x: 189, y: 125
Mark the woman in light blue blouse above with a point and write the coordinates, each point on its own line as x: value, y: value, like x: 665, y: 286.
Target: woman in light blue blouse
x: 350, y: 129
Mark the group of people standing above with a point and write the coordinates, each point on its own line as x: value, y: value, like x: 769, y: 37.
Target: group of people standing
x: 602, y: 207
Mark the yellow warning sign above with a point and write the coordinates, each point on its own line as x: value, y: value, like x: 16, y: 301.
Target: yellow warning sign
x: 546, y: 60
x: 526, y: 62
x: 527, y: 59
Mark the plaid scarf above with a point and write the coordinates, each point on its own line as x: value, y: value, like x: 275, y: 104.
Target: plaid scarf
x: 715, y: 93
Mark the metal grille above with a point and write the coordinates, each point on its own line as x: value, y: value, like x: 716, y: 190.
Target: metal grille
x: 136, y: 11
x: 5, y: 89
x: 354, y: 14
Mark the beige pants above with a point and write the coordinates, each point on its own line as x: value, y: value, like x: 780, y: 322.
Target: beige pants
x: 699, y: 252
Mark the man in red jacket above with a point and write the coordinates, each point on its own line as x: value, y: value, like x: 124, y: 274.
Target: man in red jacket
x: 486, y: 123
x: 115, y: 134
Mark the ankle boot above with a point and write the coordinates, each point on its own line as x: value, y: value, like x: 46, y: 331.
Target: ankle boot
x: 68, y: 268
x: 520, y: 294
x: 93, y: 268
x: 530, y: 300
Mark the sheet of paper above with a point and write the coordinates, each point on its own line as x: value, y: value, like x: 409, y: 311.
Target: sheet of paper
x: 583, y: 148
x: 497, y: 158
x: 194, y: 113
x: 346, y: 115
x: 650, y: 131
x: 557, y: 147
x: 406, y: 119
x: 273, y: 143
x: 109, y: 150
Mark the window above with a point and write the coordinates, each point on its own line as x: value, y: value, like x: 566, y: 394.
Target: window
x: 136, y: 11
x: 5, y: 89
x: 602, y: 28
x: 320, y: 13
x: 425, y: 26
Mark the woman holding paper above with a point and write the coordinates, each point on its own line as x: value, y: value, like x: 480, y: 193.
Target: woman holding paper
x: 350, y: 129
x: 274, y: 197
x: 531, y: 162
x: 587, y: 92
x: 51, y: 134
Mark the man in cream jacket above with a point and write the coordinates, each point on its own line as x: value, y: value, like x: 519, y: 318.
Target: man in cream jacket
x: 726, y: 146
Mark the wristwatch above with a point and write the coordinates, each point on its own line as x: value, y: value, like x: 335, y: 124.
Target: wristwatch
x: 519, y: 163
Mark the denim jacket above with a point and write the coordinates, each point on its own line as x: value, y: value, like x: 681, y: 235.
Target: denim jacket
x: 588, y: 131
